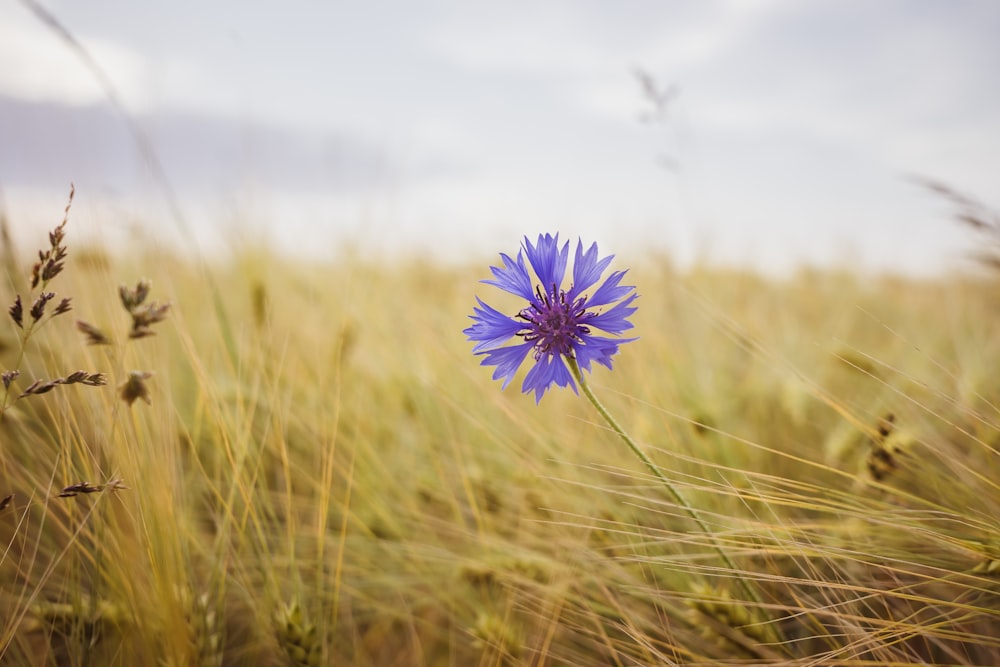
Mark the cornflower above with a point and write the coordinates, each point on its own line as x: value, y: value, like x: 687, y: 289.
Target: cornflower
x: 557, y: 325
x: 556, y: 328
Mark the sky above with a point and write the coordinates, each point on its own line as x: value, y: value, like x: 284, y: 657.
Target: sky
x: 788, y: 132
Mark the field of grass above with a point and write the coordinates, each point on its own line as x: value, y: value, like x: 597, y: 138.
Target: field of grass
x: 323, y: 474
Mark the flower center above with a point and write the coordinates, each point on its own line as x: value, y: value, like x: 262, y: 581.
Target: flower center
x: 553, y: 323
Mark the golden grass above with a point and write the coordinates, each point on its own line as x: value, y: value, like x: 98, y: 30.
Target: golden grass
x: 323, y: 465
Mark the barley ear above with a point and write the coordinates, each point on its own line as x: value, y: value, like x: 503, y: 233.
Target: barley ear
x: 297, y: 637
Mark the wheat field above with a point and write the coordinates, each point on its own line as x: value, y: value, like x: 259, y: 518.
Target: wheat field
x: 303, y: 464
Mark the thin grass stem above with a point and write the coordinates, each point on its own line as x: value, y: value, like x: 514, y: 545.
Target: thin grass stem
x: 674, y: 492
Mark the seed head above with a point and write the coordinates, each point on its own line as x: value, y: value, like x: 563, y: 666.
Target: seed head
x: 94, y: 335
x: 135, y: 387
x: 17, y: 311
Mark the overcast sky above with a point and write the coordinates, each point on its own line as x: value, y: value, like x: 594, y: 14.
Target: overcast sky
x: 457, y: 127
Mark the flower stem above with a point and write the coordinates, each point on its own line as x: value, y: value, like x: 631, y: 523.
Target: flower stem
x: 674, y: 492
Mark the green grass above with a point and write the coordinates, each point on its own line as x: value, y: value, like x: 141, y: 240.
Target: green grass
x: 322, y: 451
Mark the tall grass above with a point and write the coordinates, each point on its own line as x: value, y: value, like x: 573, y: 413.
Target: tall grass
x: 324, y: 475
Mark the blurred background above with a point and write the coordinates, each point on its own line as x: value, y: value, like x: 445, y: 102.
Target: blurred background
x: 766, y: 134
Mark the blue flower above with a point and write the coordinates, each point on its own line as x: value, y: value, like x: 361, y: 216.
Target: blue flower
x: 556, y: 323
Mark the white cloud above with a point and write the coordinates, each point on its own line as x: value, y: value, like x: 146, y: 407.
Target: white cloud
x: 542, y: 39
x: 35, y: 65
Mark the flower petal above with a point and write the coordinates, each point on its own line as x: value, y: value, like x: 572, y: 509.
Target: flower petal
x: 587, y: 269
x: 507, y: 360
x: 491, y: 327
x: 548, y: 261
x: 609, y: 291
x: 513, y: 277
x: 549, y: 369
x: 614, y: 320
x: 599, y: 349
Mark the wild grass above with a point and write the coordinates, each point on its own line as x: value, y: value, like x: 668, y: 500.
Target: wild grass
x: 319, y: 473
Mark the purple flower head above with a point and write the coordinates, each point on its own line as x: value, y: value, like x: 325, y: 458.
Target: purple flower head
x: 556, y: 322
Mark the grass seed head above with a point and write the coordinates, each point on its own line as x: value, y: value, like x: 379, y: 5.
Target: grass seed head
x: 17, y: 311
x: 143, y: 317
x: 52, y: 261
x: 8, y: 378
x: 135, y: 387
x: 38, y: 307
x: 132, y: 297
x: 208, y: 634
x: 63, y: 307
x: 887, y: 450
x: 39, y: 387
x: 84, y: 377
x: 203, y: 624
x: 743, y: 619
x: 94, y: 335
x: 85, y: 488
x: 44, y: 386
x: 298, y: 637
x: 79, y: 488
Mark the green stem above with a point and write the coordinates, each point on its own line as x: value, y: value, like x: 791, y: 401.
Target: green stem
x: 674, y: 492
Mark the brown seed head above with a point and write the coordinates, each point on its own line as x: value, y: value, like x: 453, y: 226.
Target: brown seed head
x: 143, y: 317
x: 17, y: 311
x: 131, y: 298
x: 9, y: 377
x: 83, y: 377
x: 63, y: 307
x: 78, y: 488
x: 135, y: 387
x: 38, y: 308
x: 40, y: 387
x: 94, y: 335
